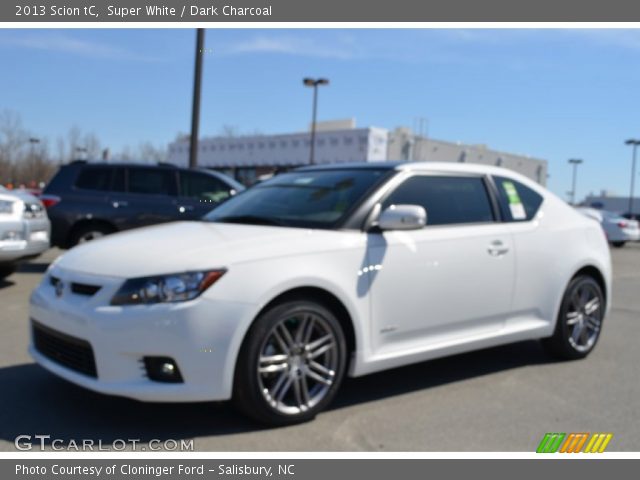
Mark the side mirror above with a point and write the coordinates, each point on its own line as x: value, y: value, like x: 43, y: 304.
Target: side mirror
x: 402, y: 217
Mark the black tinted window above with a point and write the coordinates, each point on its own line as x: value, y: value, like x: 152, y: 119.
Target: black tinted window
x: 150, y: 181
x: 94, y: 178
x: 203, y: 187
x: 447, y: 200
x: 519, y: 203
x: 308, y: 199
x: 118, y: 184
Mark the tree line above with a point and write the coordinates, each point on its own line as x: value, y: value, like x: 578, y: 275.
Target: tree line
x: 29, y: 160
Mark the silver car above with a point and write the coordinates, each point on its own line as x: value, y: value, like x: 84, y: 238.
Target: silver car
x: 24, y: 229
x: 619, y: 230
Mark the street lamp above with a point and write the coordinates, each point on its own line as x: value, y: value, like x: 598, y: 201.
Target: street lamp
x: 33, y: 141
x: 314, y: 82
x: 634, y: 143
x: 575, y: 162
x: 195, y: 106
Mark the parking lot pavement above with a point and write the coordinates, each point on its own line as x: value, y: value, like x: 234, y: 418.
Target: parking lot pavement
x: 501, y: 399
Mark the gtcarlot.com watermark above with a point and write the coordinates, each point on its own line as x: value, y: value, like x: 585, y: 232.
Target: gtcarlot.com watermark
x: 27, y: 443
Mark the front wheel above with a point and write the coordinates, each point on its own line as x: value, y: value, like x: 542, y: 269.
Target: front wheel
x: 618, y: 244
x: 291, y: 363
x: 579, y: 321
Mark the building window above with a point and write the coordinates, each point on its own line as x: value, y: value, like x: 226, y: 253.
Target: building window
x: 321, y: 142
x: 283, y: 143
x: 348, y: 141
x: 334, y: 142
x: 296, y: 143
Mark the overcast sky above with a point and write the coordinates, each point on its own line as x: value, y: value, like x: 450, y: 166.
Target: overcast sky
x: 552, y: 94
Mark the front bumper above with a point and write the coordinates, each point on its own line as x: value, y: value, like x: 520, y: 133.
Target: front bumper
x: 31, y: 239
x: 202, y: 336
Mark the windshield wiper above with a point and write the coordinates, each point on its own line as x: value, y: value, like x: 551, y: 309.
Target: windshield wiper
x: 250, y: 219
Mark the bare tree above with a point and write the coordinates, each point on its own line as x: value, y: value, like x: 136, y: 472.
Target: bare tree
x: 229, y: 131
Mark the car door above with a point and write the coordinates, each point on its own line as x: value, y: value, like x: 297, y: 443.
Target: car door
x: 149, y: 197
x: 199, y: 194
x: 449, y: 280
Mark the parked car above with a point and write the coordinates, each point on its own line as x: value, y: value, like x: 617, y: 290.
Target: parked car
x: 89, y: 200
x: 320, y: 273
x: 24, y: 229
x: 632, y: 216
x: 618, y: 229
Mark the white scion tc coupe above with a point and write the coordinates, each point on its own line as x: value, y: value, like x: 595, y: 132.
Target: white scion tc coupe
x: 319, y: 273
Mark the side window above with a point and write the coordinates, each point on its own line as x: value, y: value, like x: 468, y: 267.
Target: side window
x: 519, y: 203
x: 119, y: 183
x: 199, y: 186
x: 94, y: 178
x: 447, y: 200
x: 150, y: 181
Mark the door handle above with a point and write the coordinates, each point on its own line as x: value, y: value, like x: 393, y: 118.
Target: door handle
x: 119, y: 203
x: 497, y: 248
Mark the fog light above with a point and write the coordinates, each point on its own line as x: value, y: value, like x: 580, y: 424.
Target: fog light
x: 162, y: 369
x: 13, y: 235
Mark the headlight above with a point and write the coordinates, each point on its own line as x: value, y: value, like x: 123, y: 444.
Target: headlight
x: 6, y: 207
x: 178, y: 287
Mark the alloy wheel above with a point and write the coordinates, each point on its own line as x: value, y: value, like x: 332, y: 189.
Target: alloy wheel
x: 584, y: 317
x: 297, y: 363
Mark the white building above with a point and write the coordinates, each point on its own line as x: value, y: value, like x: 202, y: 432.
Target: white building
x: 248, y: 157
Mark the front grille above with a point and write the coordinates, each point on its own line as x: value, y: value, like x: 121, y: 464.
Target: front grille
x: 71, y: 352
x: 77, y: 288
x: 84, y: 289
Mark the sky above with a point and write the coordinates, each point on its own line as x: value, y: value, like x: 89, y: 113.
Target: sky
x: 548, y: 93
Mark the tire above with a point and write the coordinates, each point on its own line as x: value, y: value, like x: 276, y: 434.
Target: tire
x: 88, y: 232
x: 618, y: 244
x: 7, y: 269
x: 582, y: 307
x: 289, y: 357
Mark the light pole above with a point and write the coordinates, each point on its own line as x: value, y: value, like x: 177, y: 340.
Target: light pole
x: 575, y: 162
x: 195, y: 109
x: 634, y: 143
x: 314, y: 82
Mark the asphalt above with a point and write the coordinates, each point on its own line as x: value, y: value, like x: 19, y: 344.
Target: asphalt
x: 501, y: 399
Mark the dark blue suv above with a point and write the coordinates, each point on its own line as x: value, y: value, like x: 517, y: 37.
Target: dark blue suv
x: 88, y: 200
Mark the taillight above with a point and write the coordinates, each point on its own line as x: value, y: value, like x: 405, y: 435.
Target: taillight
x: 623, y: 224
x: 49, y: 200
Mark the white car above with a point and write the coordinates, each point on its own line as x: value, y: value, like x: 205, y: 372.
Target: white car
x: 24, y: 229
x: 618, y: 229
x: 320, y: 273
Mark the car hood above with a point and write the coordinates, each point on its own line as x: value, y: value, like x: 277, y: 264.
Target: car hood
x: 187, y: 246
x: 13, y: 195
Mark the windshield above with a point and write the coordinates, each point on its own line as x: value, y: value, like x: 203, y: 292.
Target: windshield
x: 311, y: 199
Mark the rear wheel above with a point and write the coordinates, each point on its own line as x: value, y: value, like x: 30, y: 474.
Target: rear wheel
x: 291, y: 363
x: 618, y: 244
x: 579, y: 321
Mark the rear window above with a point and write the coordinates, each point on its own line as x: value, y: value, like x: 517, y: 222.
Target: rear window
x: 519, y: 203
x: 94, y: 178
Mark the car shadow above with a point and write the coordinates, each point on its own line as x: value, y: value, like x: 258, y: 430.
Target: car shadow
x: 36, y: 402
x: 4, y: 283
x: 33, y: 267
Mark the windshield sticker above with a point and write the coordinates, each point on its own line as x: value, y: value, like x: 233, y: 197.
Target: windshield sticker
x: 515, y: 204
